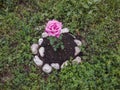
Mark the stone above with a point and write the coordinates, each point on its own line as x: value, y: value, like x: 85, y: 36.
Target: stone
x: 34, y: 48
x: 41, y: 51
x: 78, y: 42
x: 38, y: 61
x: 65, y: 30
x: 55, y: 66
x: 77, y: 60
x: 44, y: 35
x: 77, y: 51
x: 64, y: 64
x: 73, y: 36
x: 40, y: 41
x: 47, y: 68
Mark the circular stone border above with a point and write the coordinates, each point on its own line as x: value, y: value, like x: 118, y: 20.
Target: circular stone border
x: 38, y: 50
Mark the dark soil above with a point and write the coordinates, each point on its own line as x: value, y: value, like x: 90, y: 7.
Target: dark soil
x: 60, y: 55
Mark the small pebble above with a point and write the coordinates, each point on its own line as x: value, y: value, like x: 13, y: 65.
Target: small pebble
x: 41, y: 51
x: 73, y: 36
x: 44, y: 34
x: 65, y: 30
x: 78, y: 42
x: 37, y: 61
x: 55, y: 66
x: 77, y: 60
x: 47, y: 68
x: 64, y: 64
x: 34, y: 48
x: 77, y: 51
x: 40, y: 41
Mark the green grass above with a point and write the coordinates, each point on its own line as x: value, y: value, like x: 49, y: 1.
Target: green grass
x: 97, y: 21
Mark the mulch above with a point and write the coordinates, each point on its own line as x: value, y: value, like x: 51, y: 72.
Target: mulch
x: 60, y: 55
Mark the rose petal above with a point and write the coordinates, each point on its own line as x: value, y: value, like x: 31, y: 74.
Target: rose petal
x: 53, y: 28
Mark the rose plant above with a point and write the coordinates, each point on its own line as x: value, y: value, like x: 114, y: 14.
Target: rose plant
x: 53, y: 29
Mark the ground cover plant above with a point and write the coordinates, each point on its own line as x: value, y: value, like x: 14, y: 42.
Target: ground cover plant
x: 97, y: 21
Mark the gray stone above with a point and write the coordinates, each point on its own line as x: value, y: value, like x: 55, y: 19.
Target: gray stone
x: 55, y: 66
x: 64, y: 64
x: 78, y: 42
x: 41, y: 51
x: 77, y: 51
x: 40, y: 41
x: 38, y: 61
x: 65, y: 30
x: 34, y: 48
x: 77, y: 60
x: 47, y: 68
x: 44, y: 35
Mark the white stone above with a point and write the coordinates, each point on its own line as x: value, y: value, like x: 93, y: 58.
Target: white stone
x: 37, y: 61
x: 41, y: 51
x: 77, y: 51
x: 64, y: 64
x: 47, y: 68
x: 34, y: 48
x: 44, y: 34
x: 77, y: 60
x: 73, y: 36
x: 40, y: 41
x: 55, y: 66
x: 65, y: 30
x: 78, y: 42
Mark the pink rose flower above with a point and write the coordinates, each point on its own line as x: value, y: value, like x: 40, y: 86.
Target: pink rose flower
x: 53, y: 28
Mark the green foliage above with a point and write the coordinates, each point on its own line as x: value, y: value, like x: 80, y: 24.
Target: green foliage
x: 56, y: 43
x: 96, y: 20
